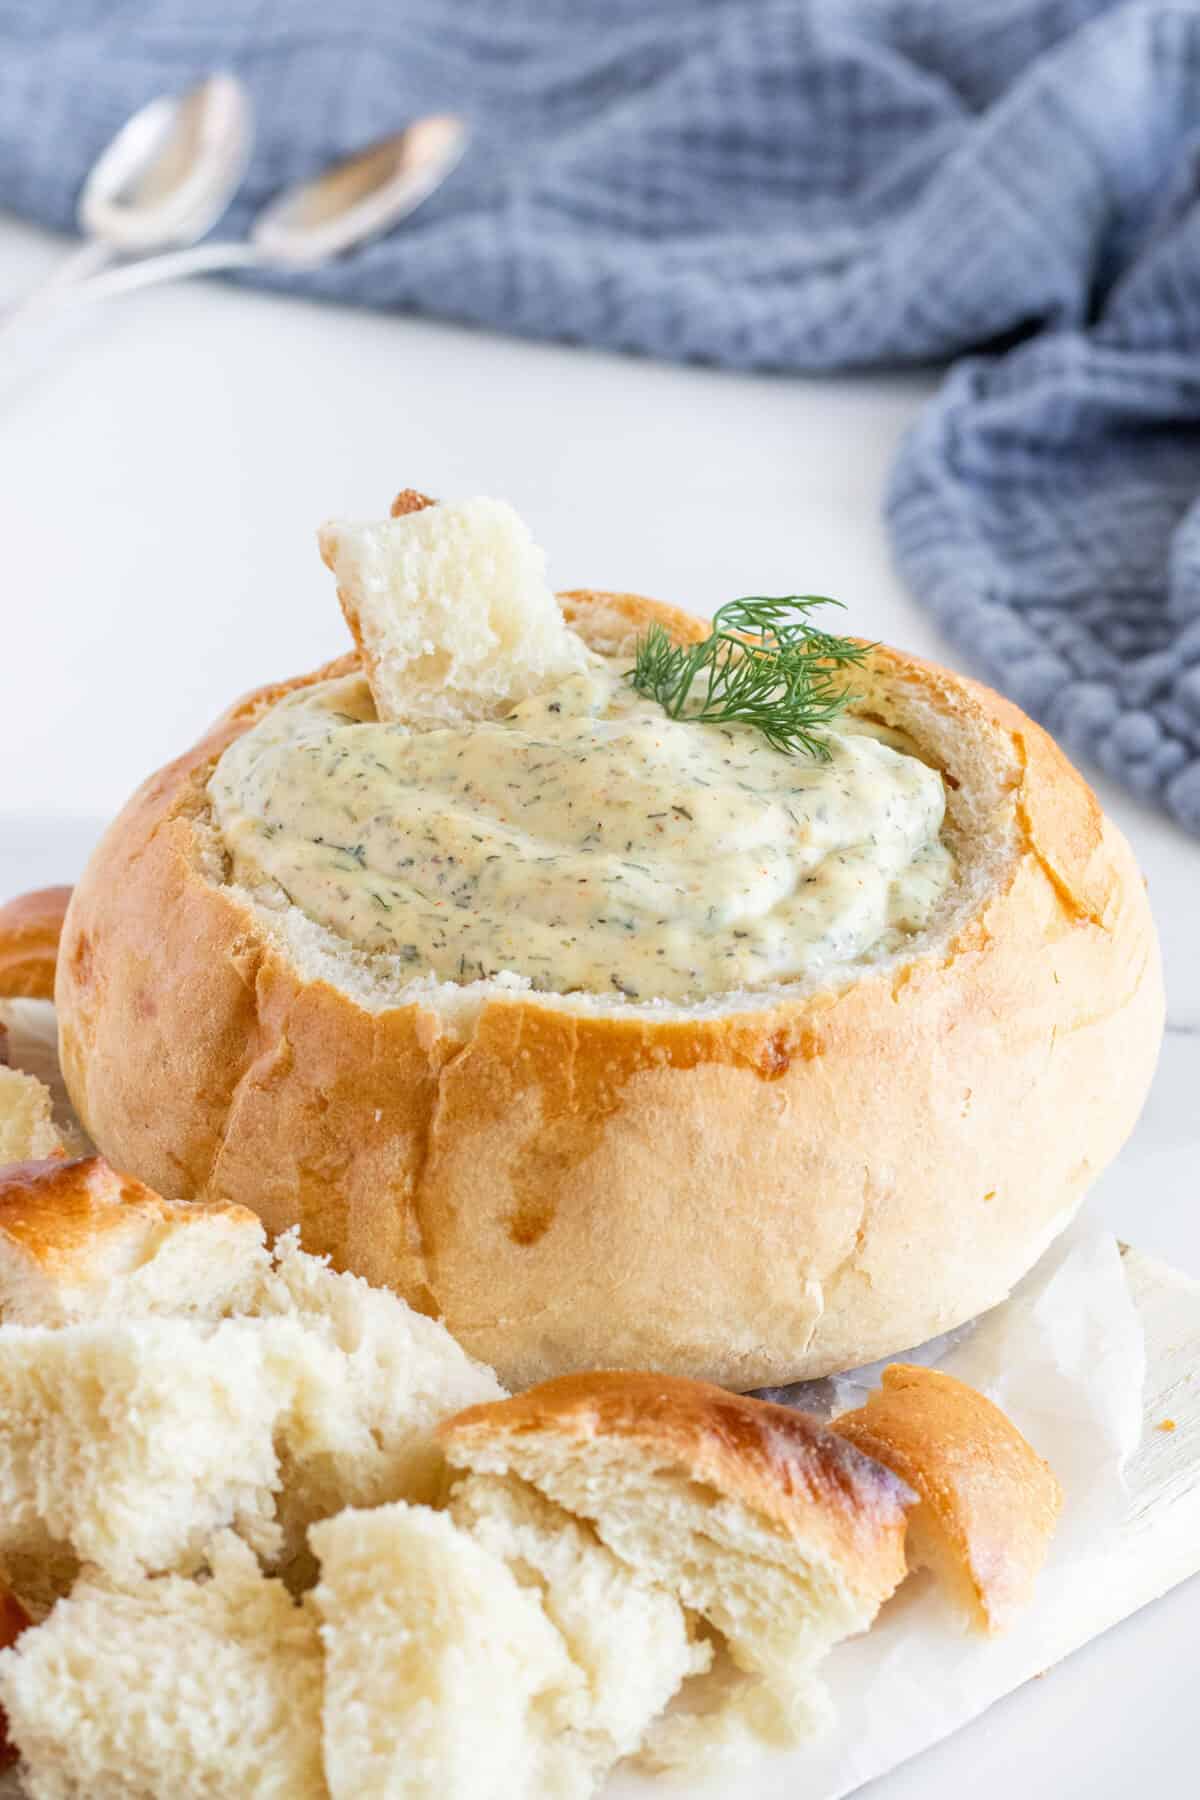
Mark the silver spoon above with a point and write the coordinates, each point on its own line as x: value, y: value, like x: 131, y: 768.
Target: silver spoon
x: 165, y: 179
x: 351, y: 201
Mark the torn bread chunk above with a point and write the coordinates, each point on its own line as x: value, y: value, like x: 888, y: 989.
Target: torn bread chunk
x: 630, y: 1638
x: 359, y: 1429
x: 30, y: 927
x: 725, y: 1718
x: 170, y: 1687
x: 353, y: 1380
x: 444, y: 1679
x: 450, y: 608
x: 27, y: 1129
x: 753, y: 1515
x: 130, y: 1443
x: 78, y: 1241
x: 988, y: 1503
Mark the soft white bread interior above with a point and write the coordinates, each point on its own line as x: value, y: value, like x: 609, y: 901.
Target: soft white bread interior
x: 359, y: 1428
x: 444, y: 1679
x: 988, y: 1503
x: 170, y: 1688
x: 27, y: 1129
x: 78, y: 1241
x: 630, y: 1638
x: 130, y: 1443
x: 451, y: 610
x: 750, y: 1513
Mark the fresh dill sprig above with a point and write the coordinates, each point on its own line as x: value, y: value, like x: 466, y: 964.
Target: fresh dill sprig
x: 763, y: 664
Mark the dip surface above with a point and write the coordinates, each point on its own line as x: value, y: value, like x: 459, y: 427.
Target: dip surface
x: 585, y: 840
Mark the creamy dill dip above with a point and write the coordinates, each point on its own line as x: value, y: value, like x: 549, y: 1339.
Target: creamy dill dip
x: 585, y: 840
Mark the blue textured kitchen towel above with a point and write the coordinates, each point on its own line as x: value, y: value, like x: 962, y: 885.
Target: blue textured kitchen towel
x: 790, y: 184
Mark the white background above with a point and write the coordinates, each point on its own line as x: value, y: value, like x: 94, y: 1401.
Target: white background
x: 163, y: 468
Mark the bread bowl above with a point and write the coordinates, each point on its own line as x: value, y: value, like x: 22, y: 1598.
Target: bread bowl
x: 749, y: 1186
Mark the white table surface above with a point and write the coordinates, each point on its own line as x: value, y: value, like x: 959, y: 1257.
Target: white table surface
x: 163, y: 468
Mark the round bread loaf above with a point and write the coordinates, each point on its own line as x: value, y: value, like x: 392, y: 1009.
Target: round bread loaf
x: 760, y: 1187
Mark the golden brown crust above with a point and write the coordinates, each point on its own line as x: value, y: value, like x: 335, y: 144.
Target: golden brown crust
x: 408, y: 500
x: 57, y: 1213
x: 579, y: 605
x: 737, y: 1196
x: 989, y: 1504
x: 784, y: 1466
x: 30, y: 927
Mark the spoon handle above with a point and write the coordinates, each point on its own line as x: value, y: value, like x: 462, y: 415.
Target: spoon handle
x: 203, y: 259
x: 85, y: 261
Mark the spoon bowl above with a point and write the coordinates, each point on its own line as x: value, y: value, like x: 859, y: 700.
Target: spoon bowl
x: 162, y: 182
x: 360, y: 196
x: 172, y: 170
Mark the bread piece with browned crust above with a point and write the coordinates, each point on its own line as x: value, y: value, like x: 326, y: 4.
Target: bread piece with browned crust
x: 755, y: 1516
x: 450, y: 608
x: 30, y: 927
x: 989, y: 1504
x: 78, y: 1241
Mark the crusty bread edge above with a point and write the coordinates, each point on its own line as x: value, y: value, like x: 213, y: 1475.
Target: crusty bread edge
x: 57, y: 1213
x: 783, y: 1467
x: 989, y: 1503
